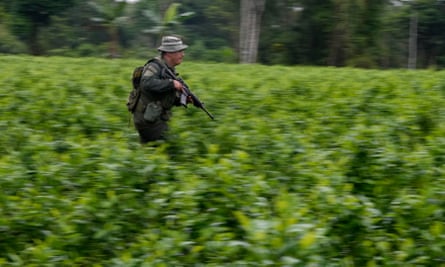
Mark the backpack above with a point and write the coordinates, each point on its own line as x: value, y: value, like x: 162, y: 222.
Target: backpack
x: 135, y: 94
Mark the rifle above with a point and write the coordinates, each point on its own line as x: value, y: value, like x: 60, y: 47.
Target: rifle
x: 186, y: 93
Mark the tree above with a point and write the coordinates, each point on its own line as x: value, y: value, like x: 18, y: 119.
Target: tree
x: 33, y: 15
x: 316, y: 31
x: 251, y: 12
x: 8, y: 42
x: 170, y: 17
x: 279, y: 31
x: 431, y: 24
x: 111, y: 15
x: 355, y: 32
x: 414, y: 33
x: 221, y: 30
x: 412, y: 56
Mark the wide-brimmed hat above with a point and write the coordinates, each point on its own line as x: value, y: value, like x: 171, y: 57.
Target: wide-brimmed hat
x: 171, y: 44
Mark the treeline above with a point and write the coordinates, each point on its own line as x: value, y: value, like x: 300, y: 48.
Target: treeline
x: 360, y: 33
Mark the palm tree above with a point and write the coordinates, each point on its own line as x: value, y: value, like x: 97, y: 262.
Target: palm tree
x: 110, y: 17
x: 165, y: 22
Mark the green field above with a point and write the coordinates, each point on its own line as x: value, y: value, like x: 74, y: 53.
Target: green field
x: 303, y: 166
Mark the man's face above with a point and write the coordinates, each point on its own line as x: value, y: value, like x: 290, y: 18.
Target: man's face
x: 176, y: 57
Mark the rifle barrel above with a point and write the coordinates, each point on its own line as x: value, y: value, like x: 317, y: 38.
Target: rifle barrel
x: 208, y: 113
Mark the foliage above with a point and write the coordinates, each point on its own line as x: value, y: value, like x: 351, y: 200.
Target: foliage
x: 8, y: 42
x: 164, y: 24
x: 221, y: 20
x: 110, y: 17
x: 431, y: 18
x: 355, y: 33
x: 32, y: 15
x: 304, y: 166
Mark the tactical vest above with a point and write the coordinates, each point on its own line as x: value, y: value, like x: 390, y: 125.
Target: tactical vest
x: 152, y: 106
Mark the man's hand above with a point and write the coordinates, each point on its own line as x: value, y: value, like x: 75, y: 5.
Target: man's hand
x: 178, y: 86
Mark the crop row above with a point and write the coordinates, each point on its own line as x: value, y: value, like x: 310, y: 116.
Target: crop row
x: 303, y: 166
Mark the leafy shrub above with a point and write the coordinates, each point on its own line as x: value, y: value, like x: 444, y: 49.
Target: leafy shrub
x: 199, y: 52
x: 303, y: 166
x: 8, y: 43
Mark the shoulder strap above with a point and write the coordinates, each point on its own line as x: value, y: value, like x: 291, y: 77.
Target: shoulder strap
x: 138, y: 71
x: 162, y: 66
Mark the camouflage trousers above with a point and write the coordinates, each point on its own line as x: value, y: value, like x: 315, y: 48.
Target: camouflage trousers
x: 149, y: 132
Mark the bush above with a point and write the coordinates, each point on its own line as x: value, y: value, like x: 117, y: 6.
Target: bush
x: 9, y: 44
x: 199, y: 52
x: 303, y: 166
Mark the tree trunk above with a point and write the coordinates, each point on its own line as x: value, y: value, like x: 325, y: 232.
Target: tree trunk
x: 412, y: 58
x: 33, y: 43
x: 338, y: 41
x: 114, y: 41
x: 251, y: 12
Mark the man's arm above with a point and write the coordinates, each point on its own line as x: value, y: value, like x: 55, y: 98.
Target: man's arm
x: 152, y: 81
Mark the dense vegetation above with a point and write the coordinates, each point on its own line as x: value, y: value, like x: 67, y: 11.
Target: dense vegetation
x: 303, y: 166
x: 371, y: 34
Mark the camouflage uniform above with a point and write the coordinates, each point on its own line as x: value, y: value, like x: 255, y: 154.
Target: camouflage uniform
x: 158, y: 96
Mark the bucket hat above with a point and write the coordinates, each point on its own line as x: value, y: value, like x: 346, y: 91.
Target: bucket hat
x: 171, y: 44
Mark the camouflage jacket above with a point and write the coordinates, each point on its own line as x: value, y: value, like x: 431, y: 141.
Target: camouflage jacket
x: 158, y: 94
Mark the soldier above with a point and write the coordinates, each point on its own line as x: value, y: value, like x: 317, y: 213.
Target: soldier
x: 158, y: 92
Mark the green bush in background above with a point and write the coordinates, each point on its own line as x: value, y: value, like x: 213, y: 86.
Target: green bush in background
x: 303, y: 166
